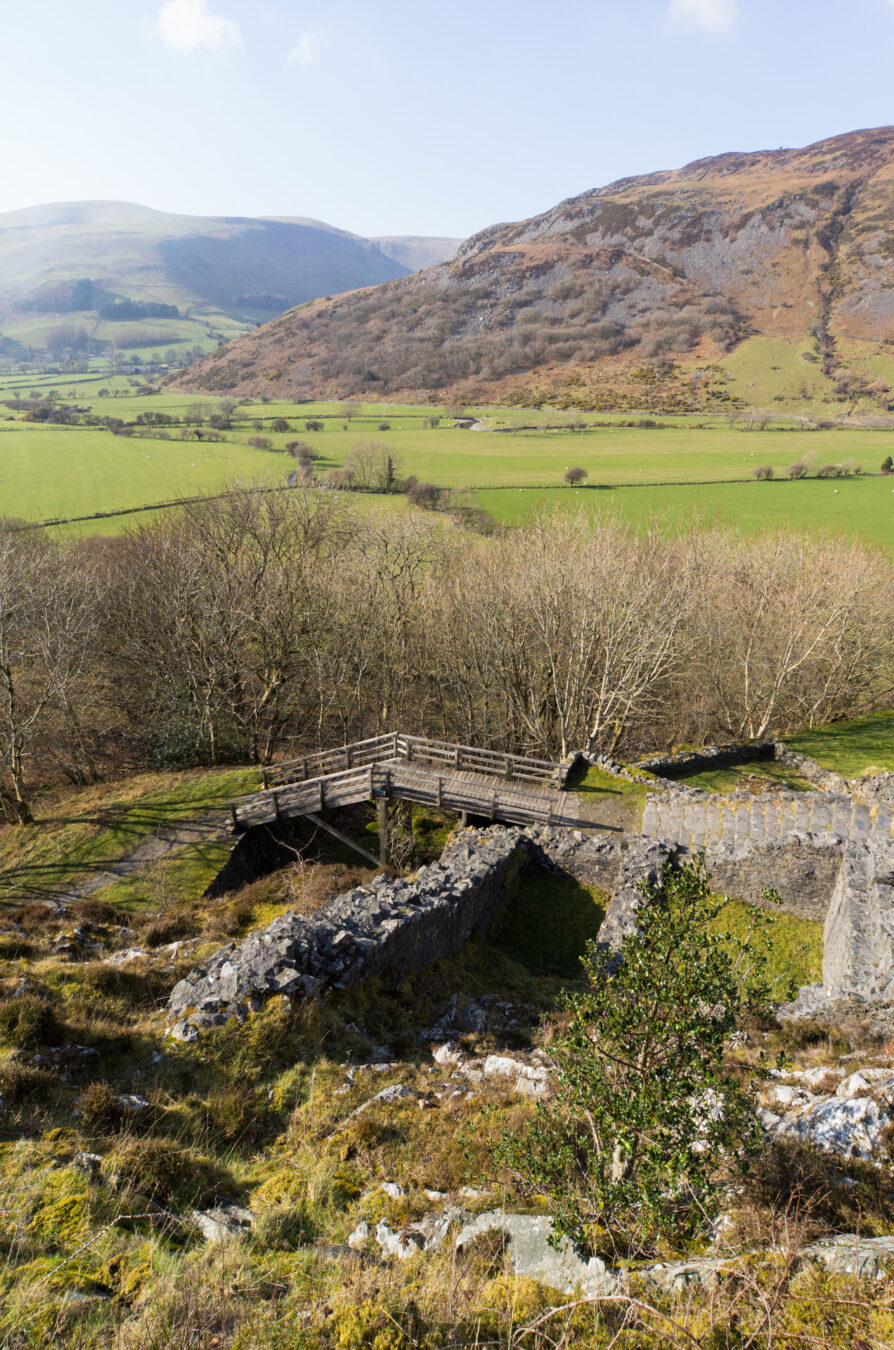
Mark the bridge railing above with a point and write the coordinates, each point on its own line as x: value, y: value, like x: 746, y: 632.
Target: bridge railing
x: 418, y: 749
x: 466, y: 758
x: 353, y: 756
x: 397, y: 779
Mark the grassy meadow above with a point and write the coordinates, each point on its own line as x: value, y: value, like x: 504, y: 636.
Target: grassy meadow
x: 676, y: 471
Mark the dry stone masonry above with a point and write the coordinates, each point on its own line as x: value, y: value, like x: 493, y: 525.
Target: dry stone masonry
x: 829, y: 854
x: 388, y: 925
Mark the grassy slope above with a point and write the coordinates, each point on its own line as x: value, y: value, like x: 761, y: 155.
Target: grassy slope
x: 81, y: 831
x: 737, y: 776
x: 851, y: 748
x: 862, y: 507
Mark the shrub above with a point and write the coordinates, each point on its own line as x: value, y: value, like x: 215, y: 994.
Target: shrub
x: 21, y: 1083
x: 887, y: 464
x: 575, y: 475
x: 644, y: 1113
x: 384, y: 426
x: 797, y: 470
x: 763, y: 472
x: 28, y: 1022
x: 91, y: 909
x: 162, y: 1170
x: 425, y: 495
x: 99, y: 1108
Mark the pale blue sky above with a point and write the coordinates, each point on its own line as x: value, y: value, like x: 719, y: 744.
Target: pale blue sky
x: 391, y: 117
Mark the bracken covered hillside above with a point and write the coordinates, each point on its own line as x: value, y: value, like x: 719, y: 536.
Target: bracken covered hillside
x: 673, y: 267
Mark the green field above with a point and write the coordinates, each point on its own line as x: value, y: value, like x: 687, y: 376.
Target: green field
x: 676, y: 471
x: 850, y: 748
x: 863, y: 507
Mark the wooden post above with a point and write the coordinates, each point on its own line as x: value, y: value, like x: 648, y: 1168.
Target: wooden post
x: 370, y: 782
x: 304, y: 770
x: 350, y: 757
x: 234, y: 817
x: 382, y: 809
x: 322, y: 795
x: 264, y: 780
x: 508, y: 766
x: 276, y: 809
x: 456, y: 758
x: 464, y: 819
x: 493, y: 805
x: 440, y: 791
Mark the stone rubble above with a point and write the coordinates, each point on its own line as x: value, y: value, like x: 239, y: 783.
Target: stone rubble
x: 849, y: 1119
x: 225, y: 1221
x: 527, y: 1238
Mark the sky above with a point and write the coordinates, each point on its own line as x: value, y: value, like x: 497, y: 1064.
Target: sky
x: 392, y: 117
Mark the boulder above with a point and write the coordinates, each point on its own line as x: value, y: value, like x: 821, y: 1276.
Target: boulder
x: 851, y: 1254
x: 531, y: 1255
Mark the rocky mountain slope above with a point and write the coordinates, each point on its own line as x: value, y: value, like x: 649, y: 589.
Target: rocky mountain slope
x: 670, y: 269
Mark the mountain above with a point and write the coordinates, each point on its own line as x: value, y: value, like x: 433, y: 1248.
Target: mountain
x: 651, y: 291
x: 417, y: 251
x: 221, y: 273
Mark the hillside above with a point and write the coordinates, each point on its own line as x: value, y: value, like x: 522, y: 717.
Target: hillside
x: 622, y: 295
x: 70, y: 261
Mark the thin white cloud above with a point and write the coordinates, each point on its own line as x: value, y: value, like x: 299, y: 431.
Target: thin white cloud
x: 308, y: 49
x: 711, y: 16
x: 189, y: 26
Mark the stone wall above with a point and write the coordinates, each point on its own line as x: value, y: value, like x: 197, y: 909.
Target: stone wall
x: 388, y: 925
x: 803, y: 868
x: 755, y: 817
x: 408, y: 924
x: 858, y: 939
x: 706, y: 757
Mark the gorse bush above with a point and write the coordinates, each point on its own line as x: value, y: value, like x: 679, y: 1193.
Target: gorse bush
x: 28, y: 1022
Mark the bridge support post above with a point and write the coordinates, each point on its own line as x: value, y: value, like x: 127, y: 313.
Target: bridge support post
x: 382, y: 809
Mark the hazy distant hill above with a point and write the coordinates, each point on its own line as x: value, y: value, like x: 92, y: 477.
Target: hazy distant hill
x: 154, y: 255
x: 594, y: 300
x: 417, y: 251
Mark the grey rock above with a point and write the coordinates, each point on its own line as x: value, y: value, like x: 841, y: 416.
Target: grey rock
x: 851, y: 1254
x: 227, y: 1220
x: 530, y: 1254
x: 849, y: 1126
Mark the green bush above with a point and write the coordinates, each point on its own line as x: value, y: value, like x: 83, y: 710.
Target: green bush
x: 644, y: 1113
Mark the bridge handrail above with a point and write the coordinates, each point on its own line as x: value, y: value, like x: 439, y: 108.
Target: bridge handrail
x: 466, y: 756
x: 395, y: 745
x: 322, y: 762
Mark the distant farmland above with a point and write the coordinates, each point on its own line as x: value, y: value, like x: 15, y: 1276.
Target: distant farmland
x: 674, y: 471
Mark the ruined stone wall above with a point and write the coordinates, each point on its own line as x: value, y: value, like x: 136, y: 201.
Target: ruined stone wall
x: 388, y: 925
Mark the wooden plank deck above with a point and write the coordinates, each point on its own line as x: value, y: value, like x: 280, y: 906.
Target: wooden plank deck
x: 491, y: 795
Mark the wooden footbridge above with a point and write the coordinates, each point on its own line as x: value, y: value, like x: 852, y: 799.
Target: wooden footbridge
x: 487, y: 784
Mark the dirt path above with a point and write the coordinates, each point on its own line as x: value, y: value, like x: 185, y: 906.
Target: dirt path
x: 211, y: 827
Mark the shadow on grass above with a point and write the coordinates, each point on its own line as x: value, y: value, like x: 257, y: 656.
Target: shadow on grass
x: 88, y: 853
x: 547, y: 924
